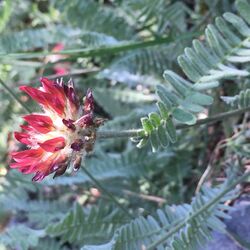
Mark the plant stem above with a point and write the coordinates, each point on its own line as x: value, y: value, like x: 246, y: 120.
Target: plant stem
x: 83, y: 52
x: 198, y: 212
x: 104, y: 190
x: 115, y: 134
x: 153, y: 198
x: 14, y: 96
x: 138, y: 132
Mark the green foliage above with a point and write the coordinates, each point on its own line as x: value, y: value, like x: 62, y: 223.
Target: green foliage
x: 121, y: 49
x: 161, y: 17
x: 157, y: 12
x: 50, y: 244
x: 240, y: 144
x: 93, y: 39
x: 177, y: 227
x: 242, y: 100
x: 149, y: 61
x: 15, y: 187
x: 35, y: 38
x: 91, y: 225
x: 21, y: 237
x: 6, y: 9
x: 204, y: 64
x: 97, y: 18
x: 118, y: 102
x: 52, y: 211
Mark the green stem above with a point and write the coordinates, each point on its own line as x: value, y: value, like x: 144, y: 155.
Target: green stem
x: 138, y: 132
x: 198, y: 212
x: 114, y: 134
x: 14, y: 96
x: 83, y: 52
x: 104, y: 190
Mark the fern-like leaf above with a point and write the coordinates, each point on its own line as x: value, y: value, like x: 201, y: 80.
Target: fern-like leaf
x: 118, y: 102
x: 6, y: 8
x: 30, y: 39
x: 15, y: 188
x: 149, y: 61
x: 84, y: 227
x: 95, y: 39
x: 20, y: 237
x: 91, y: 16
x: 242, y: 100
x: 175, y: 227
x: 227, y: 45
x: 50, y: 244
x: 158, y: 12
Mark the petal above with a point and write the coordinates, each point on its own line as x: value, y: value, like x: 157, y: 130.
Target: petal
x: 22, y: 137
x: 53, y: 145
x: 27, y: 155
x: 89, y: 102
x: 72, y: 97
x: 41, y: 123
x: 69, y: 124
x: 27, y: 128
x: 60, y: 170
x: 58, y: 106
x: 55, y: 89
x: 36, y: 94
x: 54, y: 163
x: 25, y: 168
x: 28, y: 169
x: 48, y: 85
x: 19, y: 164
x: 85, y: 120
x: 39, y: 176
x: 60, y: 166
x: 42, y: 168
x: 77, y: 163
x: 48, y: 100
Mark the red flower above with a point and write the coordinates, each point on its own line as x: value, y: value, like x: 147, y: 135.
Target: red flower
x: 63, y: 133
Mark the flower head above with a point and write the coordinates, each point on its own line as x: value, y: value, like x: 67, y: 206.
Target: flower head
x: 62, y: 134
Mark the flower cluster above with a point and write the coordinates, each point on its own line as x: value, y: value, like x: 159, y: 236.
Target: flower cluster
x: 64, y: 133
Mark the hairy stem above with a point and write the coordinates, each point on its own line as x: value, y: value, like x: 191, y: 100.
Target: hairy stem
x: 198, y: 212
x: 104, y: 190
x: 14, y: 96
x: 123, y: 133
x: 138, y: 132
